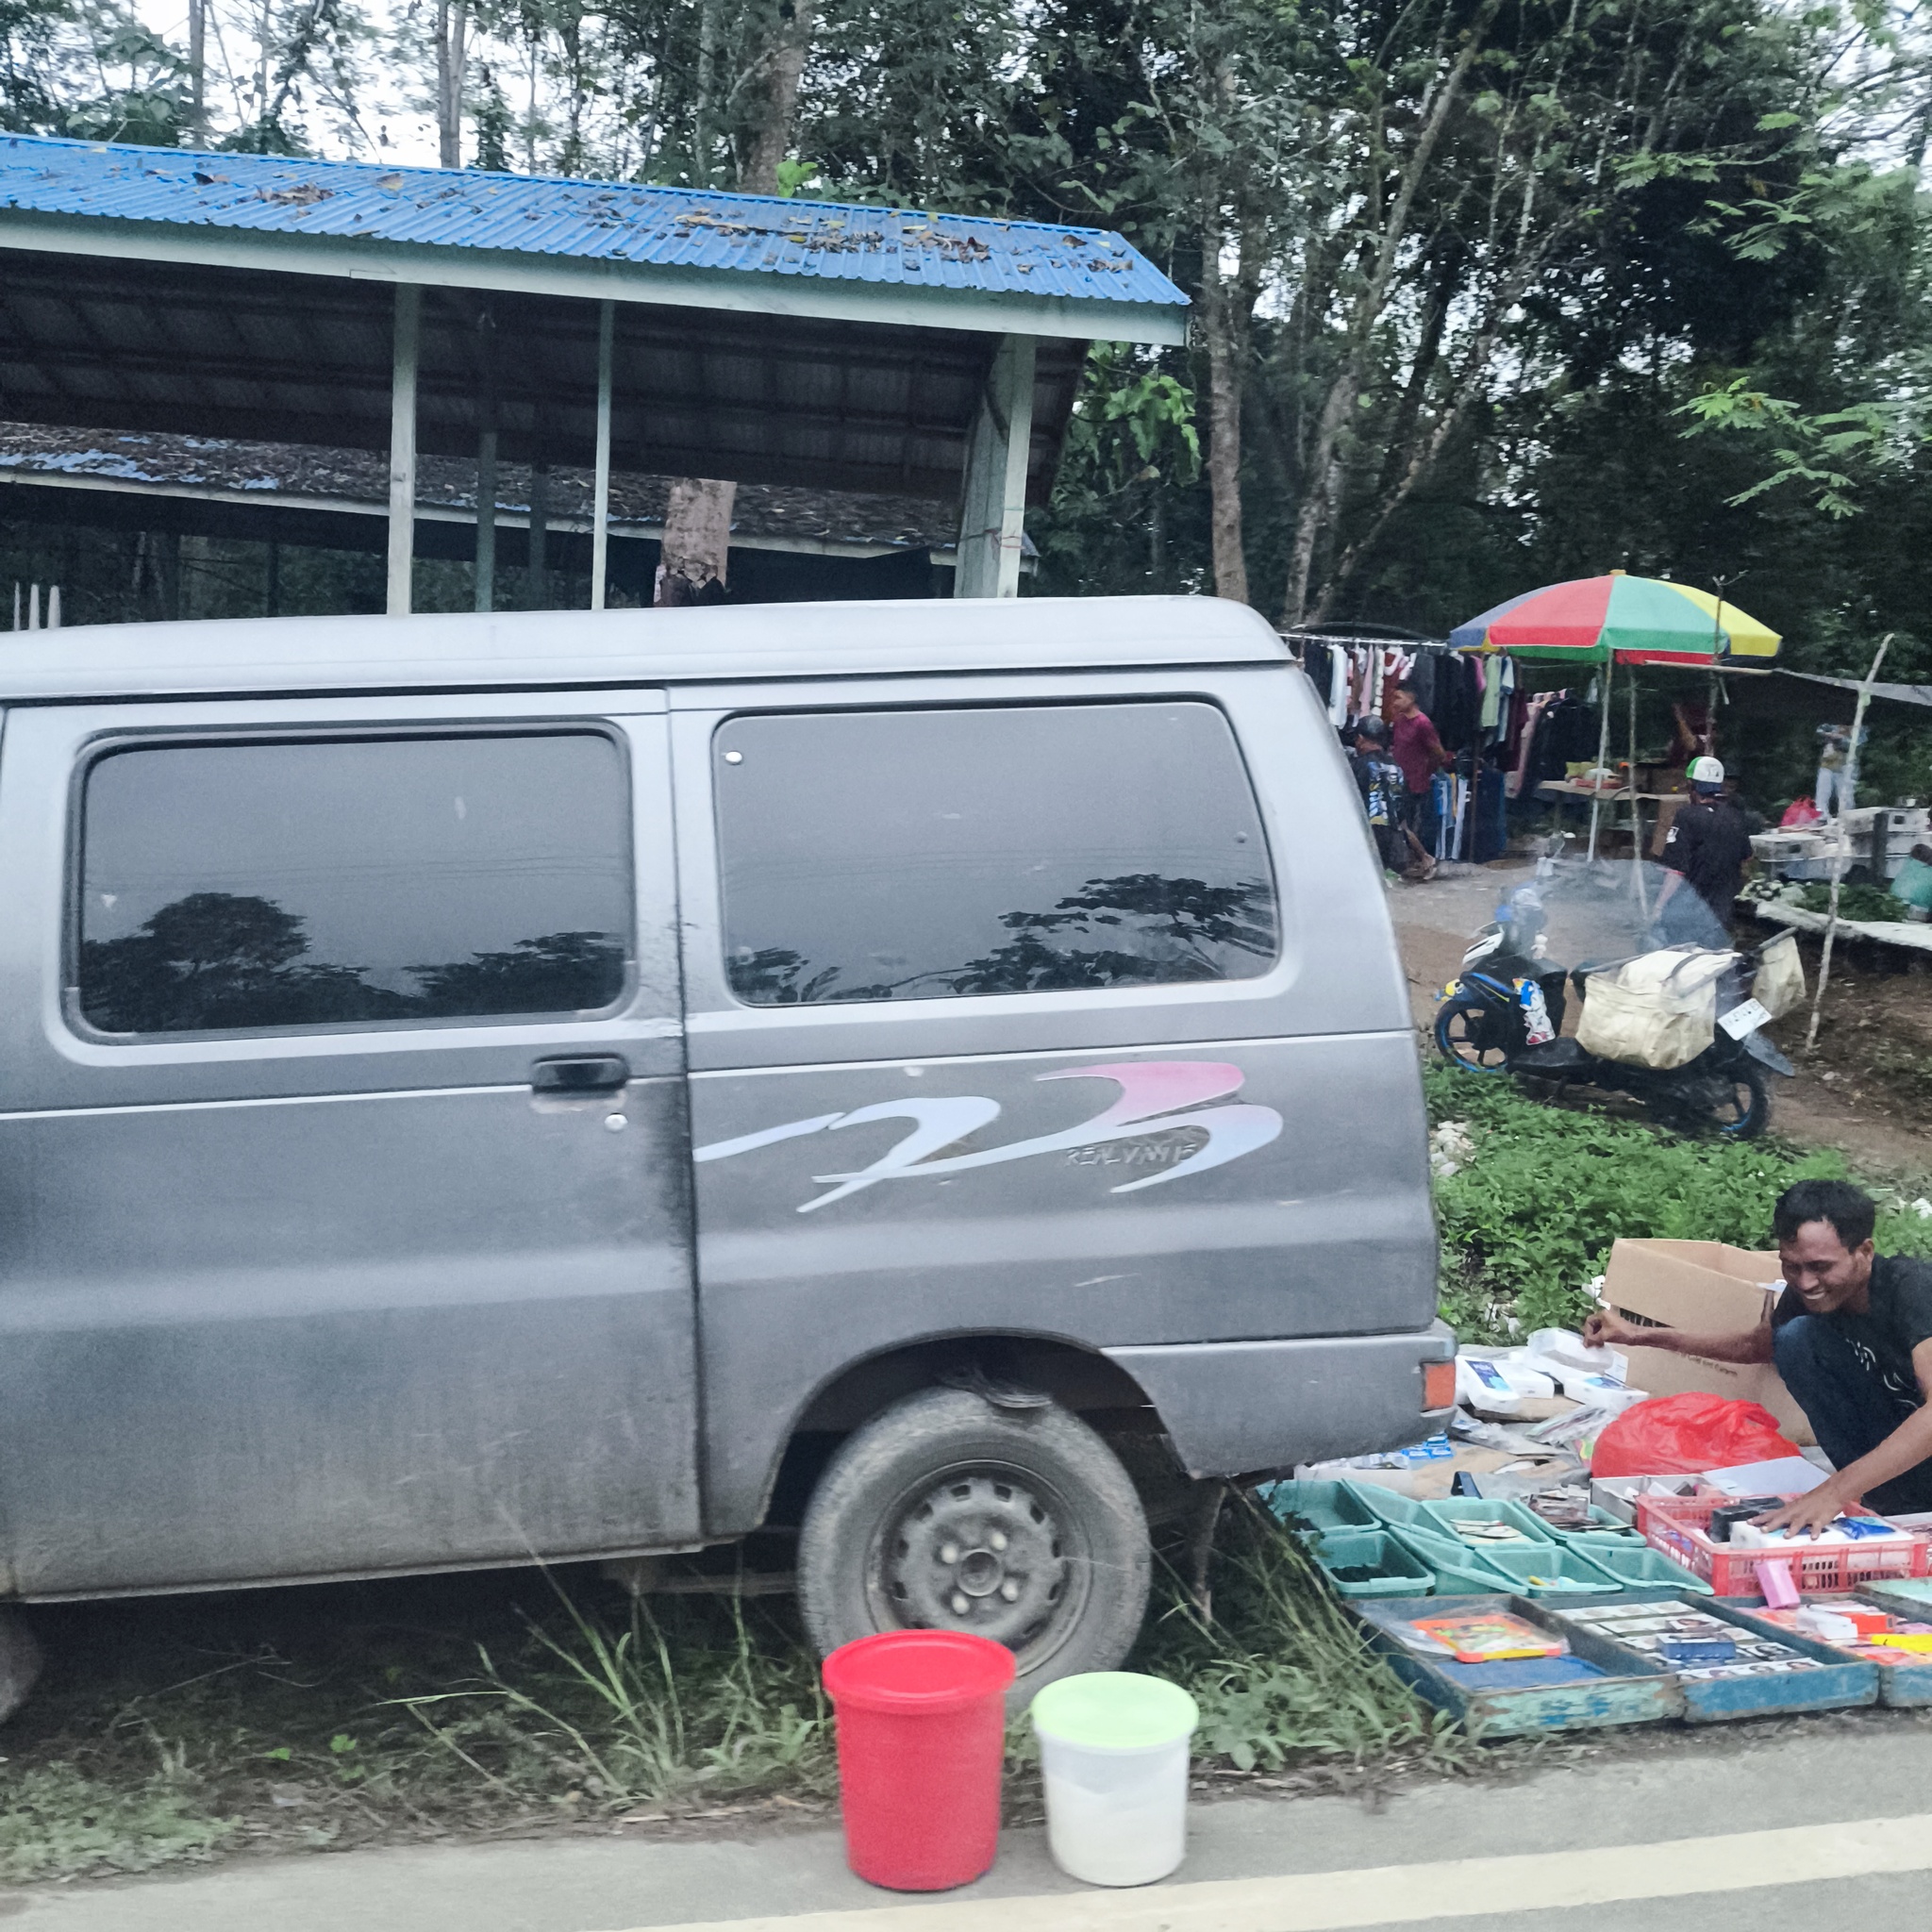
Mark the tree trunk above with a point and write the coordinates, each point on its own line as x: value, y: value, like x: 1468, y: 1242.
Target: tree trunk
x: 1224, y: 373
x: 767, y: 138
x: 1383, y: 249
x: 698, y: 541
x: 695, y: 565
x: 452, y: 56
x: 197, y: 71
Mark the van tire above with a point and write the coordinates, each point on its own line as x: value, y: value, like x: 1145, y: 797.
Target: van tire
x: 1021, y: 1516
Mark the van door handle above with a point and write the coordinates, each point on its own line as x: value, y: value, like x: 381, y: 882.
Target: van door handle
x: 590, y: 1072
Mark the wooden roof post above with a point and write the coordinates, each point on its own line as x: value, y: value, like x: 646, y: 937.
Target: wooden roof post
x: 992, y: 517
x: 402, y: 447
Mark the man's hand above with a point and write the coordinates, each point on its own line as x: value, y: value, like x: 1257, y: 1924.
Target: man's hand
x: 1808, y: 1514
x: 1606, y: 1330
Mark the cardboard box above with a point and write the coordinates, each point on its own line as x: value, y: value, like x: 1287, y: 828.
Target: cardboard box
x: 1701, y: 1286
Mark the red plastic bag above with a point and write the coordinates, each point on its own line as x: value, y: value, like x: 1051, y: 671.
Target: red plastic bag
x: 1683, y: 1435
x: 1798, y: 814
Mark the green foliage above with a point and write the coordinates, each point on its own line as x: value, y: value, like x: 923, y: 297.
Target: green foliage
x: 58, y: 1822
x: 490, y: 117
x: 705, y: 1701
x: 1282, y: 1673
x: 1530, y: 1219
x: 1854, y: 901
x: 1819, y: 451
x: 1130, y: 442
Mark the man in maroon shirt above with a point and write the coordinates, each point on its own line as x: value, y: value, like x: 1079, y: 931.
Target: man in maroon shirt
x: 1417, y: 749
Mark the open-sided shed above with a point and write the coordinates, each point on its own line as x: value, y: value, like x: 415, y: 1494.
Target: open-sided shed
x: 552, y: 321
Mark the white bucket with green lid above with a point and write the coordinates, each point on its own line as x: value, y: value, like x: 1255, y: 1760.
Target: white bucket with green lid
x: 1114, y: 1747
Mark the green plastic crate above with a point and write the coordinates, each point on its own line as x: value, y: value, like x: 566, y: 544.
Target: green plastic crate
x: 1401, y: 1573
x: 1557, y: 1571
x: 1441, y: 1513
x: 1640, y: 1566
x: 1322, y: 1507
x: 1389, y: 1506
x: 1457, y: 1570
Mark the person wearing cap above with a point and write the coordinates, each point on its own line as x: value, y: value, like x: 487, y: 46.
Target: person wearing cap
x: 1378, y: 778
x: 1704, y: 859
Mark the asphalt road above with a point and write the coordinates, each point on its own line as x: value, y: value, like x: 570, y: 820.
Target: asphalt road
x: 1786, y: 1830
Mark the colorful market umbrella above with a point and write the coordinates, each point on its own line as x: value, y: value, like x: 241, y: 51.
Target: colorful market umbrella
x: 1630, y: 620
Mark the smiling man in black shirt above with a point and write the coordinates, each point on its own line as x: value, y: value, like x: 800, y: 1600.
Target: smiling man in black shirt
x: 1852, y: 1337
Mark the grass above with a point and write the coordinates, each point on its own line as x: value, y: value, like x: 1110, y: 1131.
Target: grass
x: 1529, y: 1220
x: 1282, y: 1675
x: 58, y: 1822
x: 452, y: 1707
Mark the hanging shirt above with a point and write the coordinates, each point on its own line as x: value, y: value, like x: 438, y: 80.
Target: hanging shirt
x: 1708, y: 844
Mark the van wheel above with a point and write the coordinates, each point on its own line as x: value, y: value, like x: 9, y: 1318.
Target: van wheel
x: 945, y: 1513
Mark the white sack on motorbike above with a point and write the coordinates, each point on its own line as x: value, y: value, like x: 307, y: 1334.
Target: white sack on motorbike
x: 1659, y: 1010
x: 1780, y: 987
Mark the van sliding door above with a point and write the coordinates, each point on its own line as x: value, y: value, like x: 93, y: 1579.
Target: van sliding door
x: 342, y: 1221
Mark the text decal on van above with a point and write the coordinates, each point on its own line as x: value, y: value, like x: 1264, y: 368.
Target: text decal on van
x: 1156, y: 1096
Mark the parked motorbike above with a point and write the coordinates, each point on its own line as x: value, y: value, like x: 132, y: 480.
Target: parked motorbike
x: 1505, y: 1015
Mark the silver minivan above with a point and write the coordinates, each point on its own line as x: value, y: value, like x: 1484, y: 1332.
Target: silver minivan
x: 477, y: 1089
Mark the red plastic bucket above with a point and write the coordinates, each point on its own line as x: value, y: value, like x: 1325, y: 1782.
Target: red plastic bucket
x: 922, y: 1728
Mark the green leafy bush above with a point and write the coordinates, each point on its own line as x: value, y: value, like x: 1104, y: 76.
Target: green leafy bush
x: 1530, y: 1219
x: 1855, y: 902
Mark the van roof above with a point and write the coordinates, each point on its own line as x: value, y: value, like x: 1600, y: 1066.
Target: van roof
x: 522, y: 650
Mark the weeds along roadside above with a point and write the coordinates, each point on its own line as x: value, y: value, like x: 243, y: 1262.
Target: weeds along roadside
x: 365, y: 1716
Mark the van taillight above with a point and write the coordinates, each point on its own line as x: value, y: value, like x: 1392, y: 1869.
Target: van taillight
x: 1439, y: 1385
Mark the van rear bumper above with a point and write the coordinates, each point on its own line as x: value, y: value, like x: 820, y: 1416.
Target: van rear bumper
x: 1256, y: 1407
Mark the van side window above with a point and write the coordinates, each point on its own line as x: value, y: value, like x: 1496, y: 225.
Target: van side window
x: 314, y: 882
x: 921, y: 855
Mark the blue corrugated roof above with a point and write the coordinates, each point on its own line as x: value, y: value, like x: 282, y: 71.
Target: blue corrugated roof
x: 590, y: 220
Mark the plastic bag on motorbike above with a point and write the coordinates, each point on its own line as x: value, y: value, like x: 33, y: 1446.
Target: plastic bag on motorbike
x: 1659, y: 1010
x: 1780, y: 987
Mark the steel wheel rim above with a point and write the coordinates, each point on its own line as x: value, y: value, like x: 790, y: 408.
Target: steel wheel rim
x: 999, y: 1539
x: 1464, y: 1050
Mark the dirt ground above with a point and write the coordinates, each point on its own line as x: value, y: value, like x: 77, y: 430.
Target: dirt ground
x: 1867, y: 1088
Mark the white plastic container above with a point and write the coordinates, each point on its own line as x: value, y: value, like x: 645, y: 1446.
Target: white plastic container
x: 1114, y: 1747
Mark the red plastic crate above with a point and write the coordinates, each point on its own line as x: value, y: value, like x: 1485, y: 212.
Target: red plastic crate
x: 1675, y: 1526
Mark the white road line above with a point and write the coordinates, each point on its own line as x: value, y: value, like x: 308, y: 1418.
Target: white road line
x: 1404, y: 1894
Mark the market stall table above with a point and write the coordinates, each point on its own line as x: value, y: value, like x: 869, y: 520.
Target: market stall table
x: 1887, y: 932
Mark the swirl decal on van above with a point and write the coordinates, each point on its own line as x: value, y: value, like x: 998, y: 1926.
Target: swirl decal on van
x: 1156, y: 1096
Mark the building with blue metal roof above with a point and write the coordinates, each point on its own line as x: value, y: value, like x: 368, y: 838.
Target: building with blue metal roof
x: 649, y: 329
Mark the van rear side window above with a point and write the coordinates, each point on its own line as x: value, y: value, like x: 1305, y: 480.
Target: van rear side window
x: 312, y: 882
x: 923, y: 855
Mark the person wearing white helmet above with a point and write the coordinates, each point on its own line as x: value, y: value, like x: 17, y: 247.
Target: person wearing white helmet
x: 1704, y: 861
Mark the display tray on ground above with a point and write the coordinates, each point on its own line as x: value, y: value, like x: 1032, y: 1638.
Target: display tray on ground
x: 1831, y: 1681
x: 1905, y: 1677
x: 1599, y: 1685
x: 1604, y: 1683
